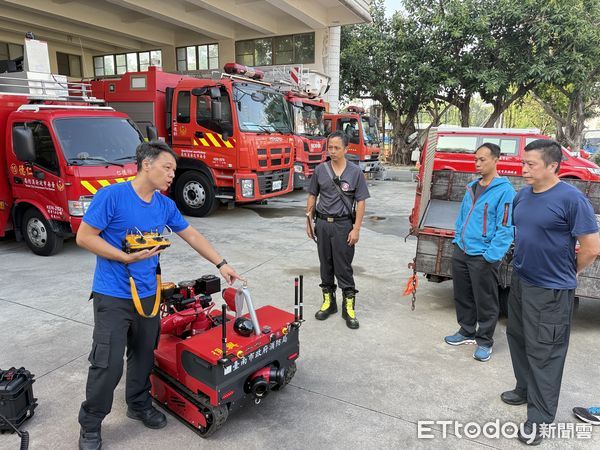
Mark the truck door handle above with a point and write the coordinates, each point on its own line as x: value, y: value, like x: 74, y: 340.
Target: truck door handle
x: 18, y: 180
x: 199, y: 134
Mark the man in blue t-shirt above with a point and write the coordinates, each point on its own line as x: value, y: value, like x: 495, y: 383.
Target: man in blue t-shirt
x: 550, y: 216
x: 115, y: 211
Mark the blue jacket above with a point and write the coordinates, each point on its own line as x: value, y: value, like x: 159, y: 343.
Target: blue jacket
x: 485, y: 227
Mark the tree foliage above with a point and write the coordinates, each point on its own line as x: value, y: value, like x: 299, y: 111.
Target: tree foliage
x: 386, y: 61
x: 432, y: 55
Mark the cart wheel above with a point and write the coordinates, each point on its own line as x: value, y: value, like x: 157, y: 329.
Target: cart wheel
x: 215, y: 418
x: 289, y: 374
x: 38, y: 234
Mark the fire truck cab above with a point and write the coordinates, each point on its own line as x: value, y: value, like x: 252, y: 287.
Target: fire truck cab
x: 309, y: 136
x: 58, y: 147
x: 233, y: 135
x: 362, y: 133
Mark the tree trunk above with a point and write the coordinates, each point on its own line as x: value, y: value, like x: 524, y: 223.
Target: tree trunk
x: 569, y: 130
x: 465, y: 111
x: 500, y: 104
x: 401, y: 149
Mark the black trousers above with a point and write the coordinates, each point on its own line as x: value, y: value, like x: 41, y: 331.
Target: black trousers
x: 118, y: 326
x: 475, y: 284
x: 335, y: 254
x: 538, y: 330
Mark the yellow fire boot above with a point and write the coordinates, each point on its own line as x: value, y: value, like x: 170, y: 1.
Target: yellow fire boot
x: 348, y: 312
x: 329, y: 305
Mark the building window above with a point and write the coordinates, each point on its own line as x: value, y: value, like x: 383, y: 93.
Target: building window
x: 69, y: 65
x: 10, y: 51
x: 118, y: 64
x: 291, y: 49
x: 198, y: 57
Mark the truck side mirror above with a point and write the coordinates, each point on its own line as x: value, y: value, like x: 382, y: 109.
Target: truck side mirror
x: 215, y: 93
x: 199, y: 91
x: 215, y: 109
x: 152, y: 133
x: 23, y: 144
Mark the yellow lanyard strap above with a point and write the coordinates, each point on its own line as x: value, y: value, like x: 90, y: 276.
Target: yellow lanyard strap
x: 136, y: 298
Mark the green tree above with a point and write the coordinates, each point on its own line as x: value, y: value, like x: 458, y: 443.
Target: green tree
x: 567, y: 37
x: 387, y: 61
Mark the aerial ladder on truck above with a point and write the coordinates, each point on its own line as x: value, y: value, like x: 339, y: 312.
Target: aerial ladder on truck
x: 303, y: 89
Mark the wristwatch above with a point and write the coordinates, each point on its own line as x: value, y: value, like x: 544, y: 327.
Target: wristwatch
x: 221, y: 264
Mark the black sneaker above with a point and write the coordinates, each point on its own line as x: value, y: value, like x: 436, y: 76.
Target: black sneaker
x: 513, y: 398
x: 589, y: 415
x: 151, y: 417
x: 90, y: 440
x: 529, y: 434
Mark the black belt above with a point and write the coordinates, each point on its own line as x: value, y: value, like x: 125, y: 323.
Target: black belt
x: 332, y: 218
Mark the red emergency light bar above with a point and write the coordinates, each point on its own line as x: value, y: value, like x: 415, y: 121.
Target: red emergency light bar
x: 239, y: 69
x: 355, y: 109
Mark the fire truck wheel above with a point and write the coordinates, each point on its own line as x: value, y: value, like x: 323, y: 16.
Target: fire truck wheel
x: 40, y: 238
x: 195, y: 195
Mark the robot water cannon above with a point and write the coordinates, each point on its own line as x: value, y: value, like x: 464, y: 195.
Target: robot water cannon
x: 208, y: 363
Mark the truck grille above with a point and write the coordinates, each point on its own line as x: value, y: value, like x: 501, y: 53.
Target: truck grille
x: 265, y: 180
x: 316, y: 157
x: 272, y: 158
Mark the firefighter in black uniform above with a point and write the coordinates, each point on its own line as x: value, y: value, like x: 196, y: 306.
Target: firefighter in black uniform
x: 342, y: 191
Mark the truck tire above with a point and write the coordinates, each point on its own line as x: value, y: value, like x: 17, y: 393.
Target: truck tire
x: 503, y: 300
x: 39, y: 236
x: 195, y: 194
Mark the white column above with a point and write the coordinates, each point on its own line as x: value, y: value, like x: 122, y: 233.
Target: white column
x: 332, y: 68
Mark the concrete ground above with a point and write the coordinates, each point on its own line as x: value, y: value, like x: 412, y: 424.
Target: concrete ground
x: 366, y: 388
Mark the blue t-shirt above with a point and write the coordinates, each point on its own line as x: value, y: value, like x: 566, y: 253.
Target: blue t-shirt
x: 546, y: 227
x: 115, y: 210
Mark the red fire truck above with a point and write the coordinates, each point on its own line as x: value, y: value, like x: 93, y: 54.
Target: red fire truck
x: 58, y: 146
x: 309, y: 136
x: 233, y: 134
x: 303, y: 89
x: 363, y: 136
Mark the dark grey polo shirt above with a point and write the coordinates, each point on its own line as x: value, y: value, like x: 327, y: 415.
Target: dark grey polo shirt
x: 352, y: 183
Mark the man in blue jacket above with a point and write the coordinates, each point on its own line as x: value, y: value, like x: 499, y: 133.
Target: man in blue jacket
x: 484, y: 233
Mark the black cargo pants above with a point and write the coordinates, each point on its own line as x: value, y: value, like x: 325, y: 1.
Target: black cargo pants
x: 538, y: 330
x: 335, y: 254
x: 117, y: 326
x: 475, y: 283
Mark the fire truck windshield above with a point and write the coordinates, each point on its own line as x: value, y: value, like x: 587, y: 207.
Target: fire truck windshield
x: 261, y: 110
x: 371, y: 134
x: 97, y: 140
x: 308, y: 120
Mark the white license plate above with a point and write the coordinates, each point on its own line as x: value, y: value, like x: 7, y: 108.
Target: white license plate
x: 277, y: 185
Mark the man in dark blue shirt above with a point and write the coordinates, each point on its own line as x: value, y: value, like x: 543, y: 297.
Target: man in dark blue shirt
x: 550, y: 216
x: 114, y: 212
